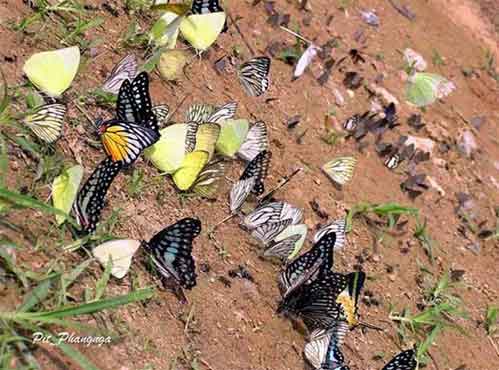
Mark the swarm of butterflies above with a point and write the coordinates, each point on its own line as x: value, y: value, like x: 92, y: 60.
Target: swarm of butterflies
x: 193, y: 154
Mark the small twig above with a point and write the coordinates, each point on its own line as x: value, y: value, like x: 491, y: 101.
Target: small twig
x: 178, y: 106
x: 370, y: 326
x: 205, y: 363
x: 187, y: 322
x: 221, y: 222
x: 297, y: 35
x: 493, y: 345
x: 84, y: 112
x: 284, y: 181
x: 240, y: 33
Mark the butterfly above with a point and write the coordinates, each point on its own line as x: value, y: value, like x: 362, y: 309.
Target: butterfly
x: 272, y: 212
x: 323, y: 349
x: 171, y: 251
x: 124, y: 142
x: 297, y: 229
x: 403, y: 361
x: 321, y: 253
x: 126, y: 69
x: 53, y: 71
x: 357, y: 120
x: 223, y: 113
x: 338, y: 227
x: 90, y: 199
x: 46, y: 121
x: 202, y: 136
x: 283, y: 248
x: 392, y: 161
x: 206, y: 183
x: 315, y: 302
x: 206, y: 7
x: 253, y: 75
x: 199, y: 113
x: 265, y: 233
x: 340, y: 170
x: 203, y: 26
x: 120, y: 252
x: 134, y: 103
x: 251, y: 181
x: 161, y: 112
x: 256, y: 141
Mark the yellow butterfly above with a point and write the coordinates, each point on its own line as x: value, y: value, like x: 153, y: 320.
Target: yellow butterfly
x: 191, y: 167
x: 53, y: 71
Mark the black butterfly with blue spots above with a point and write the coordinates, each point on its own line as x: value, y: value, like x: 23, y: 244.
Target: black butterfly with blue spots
x: 171, y: 251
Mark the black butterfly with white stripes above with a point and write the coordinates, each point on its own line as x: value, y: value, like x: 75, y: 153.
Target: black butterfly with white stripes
x: 134, y: 103
x: 171, y: 251
x: 253, y: 75
x: 89, y: 202
x: 323, y: 349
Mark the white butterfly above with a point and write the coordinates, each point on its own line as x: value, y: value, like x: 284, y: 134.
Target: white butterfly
x: 46, y: 121
x: 126, y: 69
x: 223, y: 113
x: 340, y: 170
x: 256, y: 141
x: 338, y: 227
x: 120, y: 252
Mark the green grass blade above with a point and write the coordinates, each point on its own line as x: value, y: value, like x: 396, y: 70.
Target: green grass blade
x: 100, y: 286
x: 25, y: 201
x: 38, y: 294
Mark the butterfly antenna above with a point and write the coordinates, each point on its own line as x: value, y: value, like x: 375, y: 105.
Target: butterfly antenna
x: 87, y: 116
x: 284, y: 181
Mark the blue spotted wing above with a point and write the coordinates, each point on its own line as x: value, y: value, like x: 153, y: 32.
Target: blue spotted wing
x: 258, y: 168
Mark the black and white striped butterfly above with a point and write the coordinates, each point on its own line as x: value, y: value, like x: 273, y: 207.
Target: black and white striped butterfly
x: 89, y: 202
x: 315, y: 302
x: 266, y: 232
x: 46, y: 121
x: 403, y: 361
x: 321, y: 253
x: 199, y: 113
x: 126, y: 69
x: 134, y: 103
x: 272, y: 212
x: 256, y: 141
x: 207, y: 182
x: 251, y: 181
x: 323, y: 349
x: 171, y: 251
x: 338, y: 227
x: 253, y: 75
x: 207, y: 6
x: 392, y: 161
x: 282, y: 248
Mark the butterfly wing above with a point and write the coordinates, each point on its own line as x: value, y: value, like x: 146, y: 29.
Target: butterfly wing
x: 403, y: 361
x: 266, y: 232
x: 223, y: 113
x: 253, y: 75
x: 199, y: 113
x: 283, y: 248
x: 258, y: 168
x: 239, y: 192
x: 46, y: 121
x: 171, y: 251
x: 323, y: 349
x: 90, y: 199
x: 340, y: 170
x: 120, y: 252
x: 256, y: 141
x: 161, y: 112
x: 207, y: 6
x: 268, y: 213
x: 126, y: 69
x: 349, y: 297
x: 192, y: 165
x: 321, y: 252
x: 207, y: 182
x: 338, y: 227
x: 124, y: 142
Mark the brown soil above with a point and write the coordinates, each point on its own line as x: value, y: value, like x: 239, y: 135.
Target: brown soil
x: 236, y: 327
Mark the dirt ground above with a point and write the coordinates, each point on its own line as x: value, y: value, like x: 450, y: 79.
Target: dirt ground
x: 234, y: 326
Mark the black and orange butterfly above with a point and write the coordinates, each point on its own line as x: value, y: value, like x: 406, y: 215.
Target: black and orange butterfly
x: 136, y: 126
